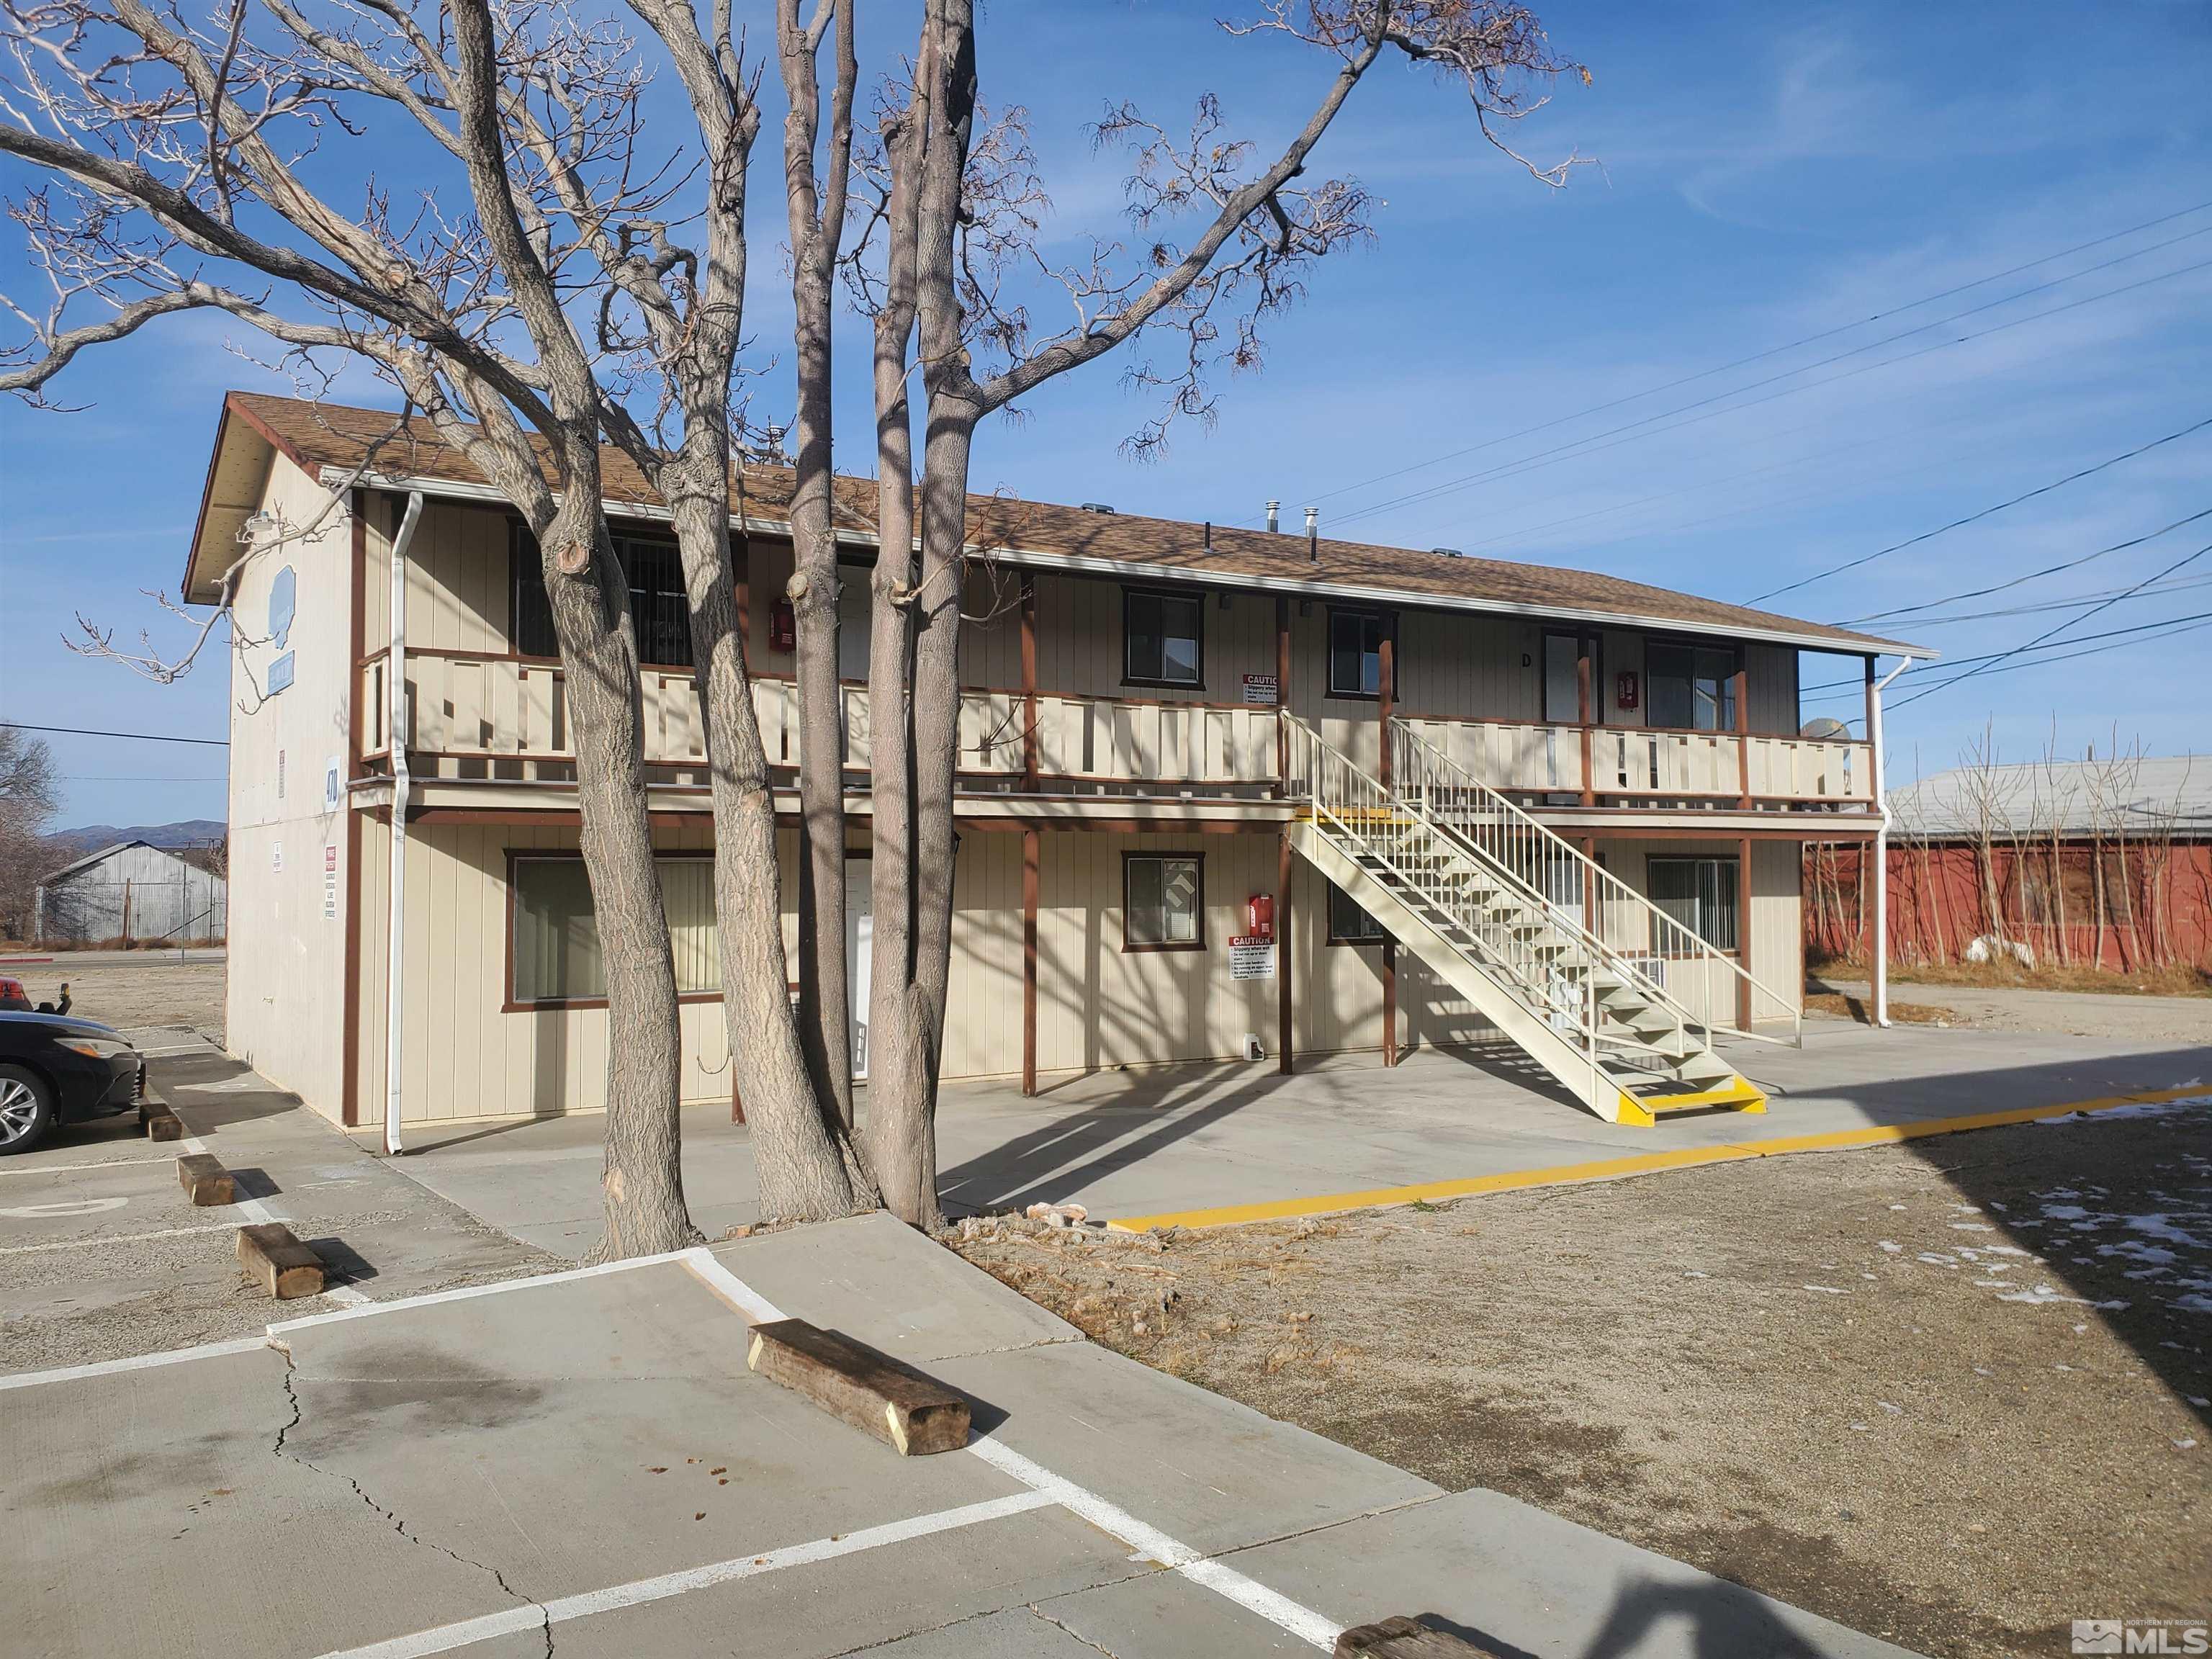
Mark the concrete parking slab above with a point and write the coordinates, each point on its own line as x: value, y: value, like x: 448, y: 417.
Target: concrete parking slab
x: 102, y: 1254
x: 582, y: 1464
x: 1177, y: 1140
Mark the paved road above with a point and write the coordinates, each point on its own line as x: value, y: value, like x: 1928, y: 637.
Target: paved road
x: 583, y: 1465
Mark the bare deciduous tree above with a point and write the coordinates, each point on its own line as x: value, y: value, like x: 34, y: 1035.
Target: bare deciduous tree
x: 958, y: 214
x: 29, y: 795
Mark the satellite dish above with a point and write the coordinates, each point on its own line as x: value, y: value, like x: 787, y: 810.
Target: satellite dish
x: 1825, y: 728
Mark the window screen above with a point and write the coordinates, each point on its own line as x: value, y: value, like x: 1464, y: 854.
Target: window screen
x: 1162, y: 903
x: 1355, y: 653
x: 1700, y: 894
x: 1348, y: 922
x: 556, y: 940
x: 660, y: 611
x: 1691, y: 688
x: 1162, y: 636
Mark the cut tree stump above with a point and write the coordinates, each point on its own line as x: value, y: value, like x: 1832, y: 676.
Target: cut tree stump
x: 203, y: 1177
x: 285, y: 1268
x: 917, y: 1413
x: 1400, y: 1637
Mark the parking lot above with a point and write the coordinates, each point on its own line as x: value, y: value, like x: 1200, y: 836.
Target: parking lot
x: 582, y: 1463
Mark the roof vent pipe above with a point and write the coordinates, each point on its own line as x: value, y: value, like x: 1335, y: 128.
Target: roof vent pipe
x: 1313, y: 534
x: 1274, y: 521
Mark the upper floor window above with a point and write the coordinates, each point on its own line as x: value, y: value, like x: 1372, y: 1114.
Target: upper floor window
x: 1700, y: 893
x: 1693, y: 687
x: 660, y: 611
x: 1162, y: 638
x: 1355, y: 652
x: 1163, y: 902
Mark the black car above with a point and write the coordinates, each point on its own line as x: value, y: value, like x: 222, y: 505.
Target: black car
x: 54, y: 1069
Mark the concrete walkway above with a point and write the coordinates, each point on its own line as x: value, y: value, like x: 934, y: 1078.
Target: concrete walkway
x: 1177, y: 1140
x: 583, y: 1465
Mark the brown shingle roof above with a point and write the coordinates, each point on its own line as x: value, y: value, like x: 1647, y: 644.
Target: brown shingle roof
x: 317, y: 435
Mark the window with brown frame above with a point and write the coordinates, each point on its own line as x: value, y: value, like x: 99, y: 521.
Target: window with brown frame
x: 1162, y: 638
x: 553, y: 937
x: 660, y: 612
x: 1355, y: 652
x: 1163, y: 901
x: 1689, y: 687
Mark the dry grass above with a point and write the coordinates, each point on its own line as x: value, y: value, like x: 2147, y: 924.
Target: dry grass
x: 2156, y: 981
x: 1837, y: 1005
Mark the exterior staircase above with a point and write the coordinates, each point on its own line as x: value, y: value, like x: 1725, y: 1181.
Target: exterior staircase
x: 1618, y: 1001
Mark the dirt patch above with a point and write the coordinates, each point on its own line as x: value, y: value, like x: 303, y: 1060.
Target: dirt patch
x: 1953, y: 1394
x: 140, y: 990
x: 1836, y: 1004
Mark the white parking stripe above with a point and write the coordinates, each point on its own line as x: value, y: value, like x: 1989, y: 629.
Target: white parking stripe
x: 465, y: 1292
x: 514, y: 1620
x: 732, y: 1288
x: 1112, y: 1519
x: 93, y: 1239
x: 138, y: 1362
x: 252, y: 1208
x: 103, y: 1164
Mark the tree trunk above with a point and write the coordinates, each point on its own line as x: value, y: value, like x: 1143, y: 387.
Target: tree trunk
x: 800, y: 1161
x: 643, y: 1177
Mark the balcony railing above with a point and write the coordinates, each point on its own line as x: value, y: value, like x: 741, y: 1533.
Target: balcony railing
x: 483, y: 715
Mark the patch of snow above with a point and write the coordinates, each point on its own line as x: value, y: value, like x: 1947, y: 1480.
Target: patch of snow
x: 2133, y: 1109
x: 1826, y: 1290
x: 2193, y: 1303
x: 2043, y: 1294
x: 1891, y: 1246
x: 1938, y: 1261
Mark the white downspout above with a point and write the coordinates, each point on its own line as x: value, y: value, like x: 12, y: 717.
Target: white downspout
x: 395, y: 948
x: 1880, y: 945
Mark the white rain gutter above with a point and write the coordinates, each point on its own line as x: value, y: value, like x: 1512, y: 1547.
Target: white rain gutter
x: 395, y: 948
x: 1880, y: 945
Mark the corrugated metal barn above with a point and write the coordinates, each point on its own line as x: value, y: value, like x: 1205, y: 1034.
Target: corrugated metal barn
x: 134, y: 890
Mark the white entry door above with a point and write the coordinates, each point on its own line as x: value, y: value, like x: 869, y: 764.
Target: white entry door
x: 860, y: 934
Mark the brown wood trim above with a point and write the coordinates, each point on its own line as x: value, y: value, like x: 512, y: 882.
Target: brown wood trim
x: 1285, y: 1028
x: 1743, y: 930
x: 1585, y: 708
x: 277, y: 440
x: 350, y: 1041
x: 1197, y: 601
x: 1388, y: 614
x: 1197, y: 856
x: 1390, y: 1002
x: 1742, y: 693
x: 1029, y: 741
x: 1030, y: 839
x: 207, y: 500
x: 1007, y: 823
x: 1282, y: 694
x: 1387, y: 677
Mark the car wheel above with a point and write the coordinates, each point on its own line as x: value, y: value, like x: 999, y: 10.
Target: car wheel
x: 26, y: 1110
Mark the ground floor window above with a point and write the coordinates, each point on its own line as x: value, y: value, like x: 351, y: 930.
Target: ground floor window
x: 1700, y: 893
x: 1349, y: 923
x: 554, y: 950
x: 1164, y: 902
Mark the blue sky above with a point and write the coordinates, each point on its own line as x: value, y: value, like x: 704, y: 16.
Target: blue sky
x: 1766, y: 174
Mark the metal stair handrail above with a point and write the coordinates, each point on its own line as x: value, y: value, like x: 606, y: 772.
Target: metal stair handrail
x: 1401, y: 836
x: 1446, y: 788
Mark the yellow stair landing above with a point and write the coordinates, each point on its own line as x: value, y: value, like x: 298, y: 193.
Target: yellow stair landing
x: 1646, y: 1110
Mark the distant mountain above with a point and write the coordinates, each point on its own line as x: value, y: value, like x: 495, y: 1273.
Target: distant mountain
x: 189, y: 832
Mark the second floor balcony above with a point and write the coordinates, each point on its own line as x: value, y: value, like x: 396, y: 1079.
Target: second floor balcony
x: 491, y: 716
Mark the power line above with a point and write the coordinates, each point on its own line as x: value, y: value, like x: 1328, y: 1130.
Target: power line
x: 1997, y: 656
x: 1772, y: 352
x: 1971, y: 517
x: 2173, y: 631
x: 2051, y: 633
x: 135, y: 736
x: 1629, y: 432
x: 2073, y: 604
x: 2032, y: 575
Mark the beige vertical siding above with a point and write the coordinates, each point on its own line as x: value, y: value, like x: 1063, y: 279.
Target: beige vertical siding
x: 285, y: 995
x: 1775, y: 929
x: 458, y: 597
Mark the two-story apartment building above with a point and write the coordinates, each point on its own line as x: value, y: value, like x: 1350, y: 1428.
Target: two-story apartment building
x: 1224, y: 793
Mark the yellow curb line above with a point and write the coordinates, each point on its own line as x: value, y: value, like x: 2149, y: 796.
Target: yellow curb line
x: 1609, y: 1168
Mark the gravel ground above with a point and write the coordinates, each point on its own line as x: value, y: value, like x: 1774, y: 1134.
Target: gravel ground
x: 1954, y: 1394
x: 2129, y: 1018
x: 134, y: 989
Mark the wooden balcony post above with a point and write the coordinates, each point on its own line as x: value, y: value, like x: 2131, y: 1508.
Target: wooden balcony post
x: 1028, y: 683
x: 1285, y: 1058
x: 1388, y: 674
x: 1390, y: 1002
x: 1742, y: 738
x: 1029, y: 850
x: 1585, y: 706
x: 1282, y: 696
x: 1743, y: 932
